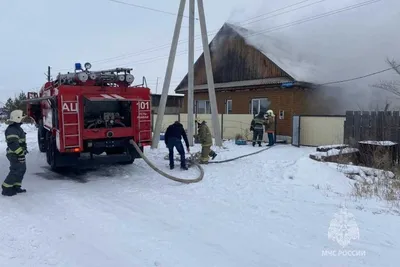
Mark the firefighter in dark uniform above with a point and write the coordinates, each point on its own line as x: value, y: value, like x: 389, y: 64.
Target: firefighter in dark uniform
x: 205, y: 138
x: 257, y: 126
x: 16, y: 151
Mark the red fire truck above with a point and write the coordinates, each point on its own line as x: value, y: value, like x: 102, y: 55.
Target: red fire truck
x: 91, y: 115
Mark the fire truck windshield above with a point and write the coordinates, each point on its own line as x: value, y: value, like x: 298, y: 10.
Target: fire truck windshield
x: 106, y: 114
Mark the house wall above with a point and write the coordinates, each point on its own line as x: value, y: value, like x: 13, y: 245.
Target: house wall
x: 291, y: 101
x: 174, y: 104
x: 168, y: 110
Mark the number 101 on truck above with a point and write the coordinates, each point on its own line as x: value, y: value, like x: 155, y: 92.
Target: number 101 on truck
x: 91, y: 116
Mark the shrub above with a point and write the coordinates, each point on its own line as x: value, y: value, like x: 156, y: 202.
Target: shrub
x: 239, y: 137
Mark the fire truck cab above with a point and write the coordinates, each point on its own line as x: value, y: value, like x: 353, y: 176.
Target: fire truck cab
x: 91, y: 115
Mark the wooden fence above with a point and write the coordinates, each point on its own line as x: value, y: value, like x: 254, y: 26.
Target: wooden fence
x: 231, y: 124
x: 375, y: 125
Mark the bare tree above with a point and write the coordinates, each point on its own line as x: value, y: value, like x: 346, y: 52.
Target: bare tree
x: 391, y: 86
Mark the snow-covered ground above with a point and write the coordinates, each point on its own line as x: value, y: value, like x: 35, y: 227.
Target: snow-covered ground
x: 275, y: 208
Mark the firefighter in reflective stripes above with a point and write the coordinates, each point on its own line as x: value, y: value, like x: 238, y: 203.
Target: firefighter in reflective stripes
x: 257, y: 126
x: 206, y: 142
x: 16, y: 151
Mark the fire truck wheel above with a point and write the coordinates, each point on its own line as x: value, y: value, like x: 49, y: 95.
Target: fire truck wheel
x: 48, y: 148
x: 42, y: 137
x: 52, y: 153
x: 130, y: 161
x: 126, y: 162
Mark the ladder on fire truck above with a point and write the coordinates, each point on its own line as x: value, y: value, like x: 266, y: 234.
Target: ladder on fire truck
x: 144, y: 124
x: 71, y: 123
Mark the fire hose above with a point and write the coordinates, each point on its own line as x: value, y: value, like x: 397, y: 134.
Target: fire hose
x: 193, y: 162
x: 232, y: 159
x: 242, y: 156
x: 166, y: 175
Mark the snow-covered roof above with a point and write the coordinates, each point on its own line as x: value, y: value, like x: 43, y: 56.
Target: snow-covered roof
x: 325, y: 52
x: 329, y: 51
x: 282, y: 54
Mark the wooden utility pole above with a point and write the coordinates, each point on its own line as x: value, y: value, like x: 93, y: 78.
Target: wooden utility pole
x: 209, y: 72
x: 168, y: 74
x: 210, y: 77
x: 190, y: 120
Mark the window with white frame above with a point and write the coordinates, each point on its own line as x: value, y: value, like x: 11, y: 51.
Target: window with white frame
x: 259, y: 104
x: 228, y: 106
x: 203, y: 107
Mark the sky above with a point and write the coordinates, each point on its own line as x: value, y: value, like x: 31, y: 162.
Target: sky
x: 41, y: 33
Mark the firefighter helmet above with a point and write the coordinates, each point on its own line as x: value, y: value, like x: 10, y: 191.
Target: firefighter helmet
x: 199, y: 121
x: 270, y: 113
x: 16, y: 116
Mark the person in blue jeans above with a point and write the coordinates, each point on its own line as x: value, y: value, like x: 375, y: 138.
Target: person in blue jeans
x: 173, y: 138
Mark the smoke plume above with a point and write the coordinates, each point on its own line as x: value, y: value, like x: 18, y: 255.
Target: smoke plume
x: 345, y: 45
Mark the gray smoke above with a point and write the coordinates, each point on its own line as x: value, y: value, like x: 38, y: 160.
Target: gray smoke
x: 348, y: 44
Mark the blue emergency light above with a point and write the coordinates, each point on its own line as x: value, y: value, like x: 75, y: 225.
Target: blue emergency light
x: 78, y: 66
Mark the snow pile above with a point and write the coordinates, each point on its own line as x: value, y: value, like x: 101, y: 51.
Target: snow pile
x: 378, y: 143
x: 362, y: 173
x: 247, y: 212
x: 373, y: 183
x: 333, y: 152
x: 329, y: 147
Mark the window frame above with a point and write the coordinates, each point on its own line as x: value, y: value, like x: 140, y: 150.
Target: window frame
x: 207, y: 107
x: 227, y: 106
x: 259, y: 104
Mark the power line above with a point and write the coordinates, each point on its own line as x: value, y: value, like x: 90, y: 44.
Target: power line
x: 279, y: 27
x: 294, y: 23
x: 147, y: 8
x: 185, y: 41
x: 333, y: 82
x: 123, y: 56
x: 323, y: 15
x: 245, y: 22
x: 253, y: 20
x: 301, y: 21
x: 360, y: 77
x: 279, y: 9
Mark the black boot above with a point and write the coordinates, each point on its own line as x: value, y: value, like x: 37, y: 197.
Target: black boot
x: 18, y: 189
x: 171, y: 167
x: 8, y: 191
x: 184, y: 168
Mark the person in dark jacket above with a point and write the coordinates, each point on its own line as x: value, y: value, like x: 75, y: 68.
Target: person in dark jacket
x: 257, y: 126
x: 16, y: 151
x: 173, y: 138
